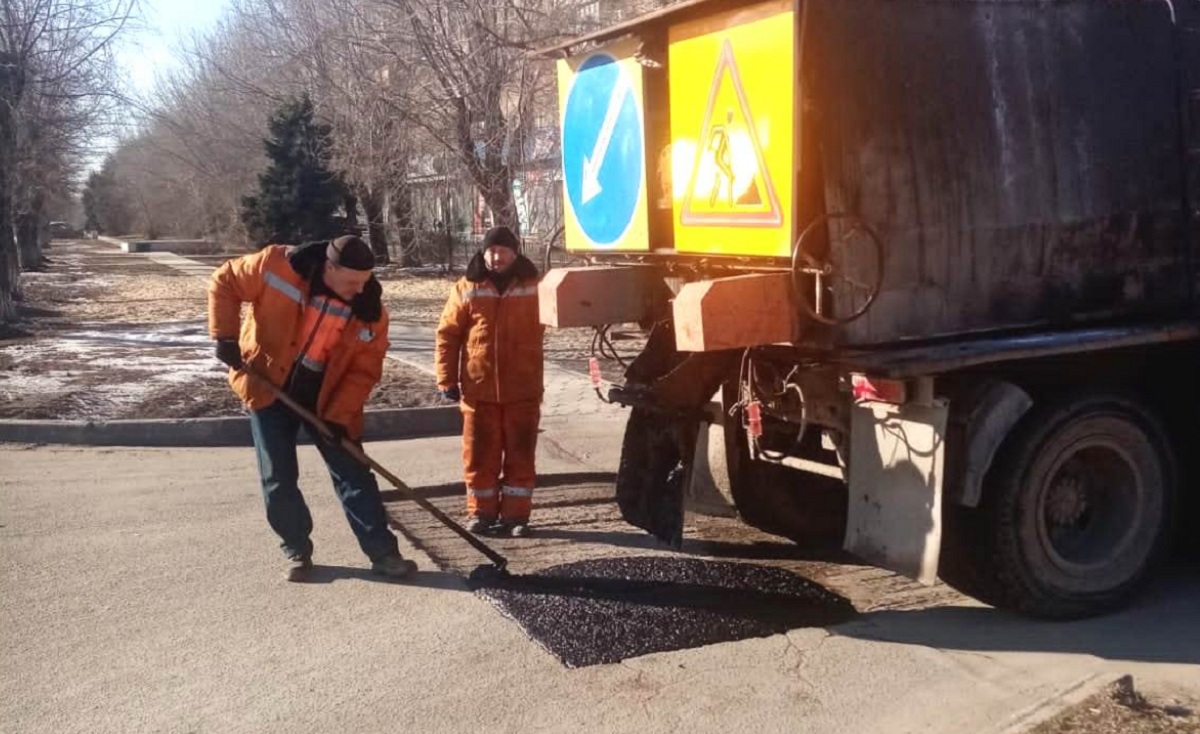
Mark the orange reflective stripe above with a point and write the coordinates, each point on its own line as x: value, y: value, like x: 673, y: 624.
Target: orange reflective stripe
x: 479, y: 292
x: 284, y: 287
x: 529, y: 290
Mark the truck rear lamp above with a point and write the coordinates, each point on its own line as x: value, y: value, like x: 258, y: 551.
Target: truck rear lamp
x: 878, y: 389
x: 754, y: 419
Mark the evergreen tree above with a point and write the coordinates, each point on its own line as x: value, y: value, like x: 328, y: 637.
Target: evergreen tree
x: 297, y: 194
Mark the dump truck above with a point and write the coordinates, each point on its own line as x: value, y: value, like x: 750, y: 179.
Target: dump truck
x: 915, y: 277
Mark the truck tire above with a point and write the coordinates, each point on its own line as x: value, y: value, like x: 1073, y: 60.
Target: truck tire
x: 806, y: 508
x: 1076, y: 509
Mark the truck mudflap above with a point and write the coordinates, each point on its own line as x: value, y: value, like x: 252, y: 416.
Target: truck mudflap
x: 896, y: 477
x: 668, y: 393
x: 650, y: 478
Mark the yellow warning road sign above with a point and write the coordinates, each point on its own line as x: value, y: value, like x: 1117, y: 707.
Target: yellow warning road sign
x: 732, y: 134
x: 729, y: 158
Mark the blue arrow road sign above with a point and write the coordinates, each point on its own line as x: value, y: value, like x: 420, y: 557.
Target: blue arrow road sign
x: 602, y: 148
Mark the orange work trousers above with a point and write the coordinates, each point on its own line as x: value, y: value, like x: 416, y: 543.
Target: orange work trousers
x: 499, y: 447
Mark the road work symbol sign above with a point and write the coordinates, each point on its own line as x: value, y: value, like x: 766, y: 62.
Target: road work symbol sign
x: 730, y: 183
x: 732, y: 137
x: 603, y: 151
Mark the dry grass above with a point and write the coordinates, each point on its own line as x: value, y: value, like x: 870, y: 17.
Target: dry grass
x: 1120, y: 709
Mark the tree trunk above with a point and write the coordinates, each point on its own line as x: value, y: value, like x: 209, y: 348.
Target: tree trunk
x: 376, y: 234
x: 504, y: 210
x: 492, y: 176
x: 406, y: 232
x: 29, y: 235
x: 350, y: 201
x: 9, y: 264
x: 10, y: 92
x: 9, y: 272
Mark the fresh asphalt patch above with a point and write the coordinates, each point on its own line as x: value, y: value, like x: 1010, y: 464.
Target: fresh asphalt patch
x: 607, y: 610
x: 590, y: 589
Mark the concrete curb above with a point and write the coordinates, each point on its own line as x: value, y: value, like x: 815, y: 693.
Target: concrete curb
x: 1050, y: 707
x: 381, y: 425
x: 188, y: 247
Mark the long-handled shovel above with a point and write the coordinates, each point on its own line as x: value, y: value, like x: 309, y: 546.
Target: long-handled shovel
x: 499, y: 562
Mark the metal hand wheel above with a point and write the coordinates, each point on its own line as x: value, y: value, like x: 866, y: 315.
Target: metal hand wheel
x: 851, y: 271
x: 557, y: 244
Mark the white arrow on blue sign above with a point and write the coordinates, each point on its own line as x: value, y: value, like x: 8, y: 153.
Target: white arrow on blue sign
x: 603, y: 149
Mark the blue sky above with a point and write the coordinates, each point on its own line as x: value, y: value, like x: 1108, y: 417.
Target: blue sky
x: 151, y: 48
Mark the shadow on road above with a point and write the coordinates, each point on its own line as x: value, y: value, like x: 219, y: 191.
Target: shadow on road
x: 1160, y: 627
x: 545, y: 481
x: 600, y: 537
x: 323, y: 574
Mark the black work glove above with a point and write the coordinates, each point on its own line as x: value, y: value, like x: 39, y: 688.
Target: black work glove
x: 452, y: 395
x: 230, y: 353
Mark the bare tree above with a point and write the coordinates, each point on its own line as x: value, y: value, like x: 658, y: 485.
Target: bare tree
x: 12, y: 86
x: 55, y: 73
x: 471, y: 89
x: 476, y: 89
x: 402, y: 83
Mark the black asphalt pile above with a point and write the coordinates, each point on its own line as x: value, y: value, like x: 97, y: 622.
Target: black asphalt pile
x: 608, y: 610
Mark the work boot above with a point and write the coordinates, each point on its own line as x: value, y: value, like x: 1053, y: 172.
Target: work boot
x: 394, y: 566
x: 516, y: 529
x: 480, y: 525
x: 299, y: 567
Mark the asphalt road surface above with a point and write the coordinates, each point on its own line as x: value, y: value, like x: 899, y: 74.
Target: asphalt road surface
x: 141, y: 591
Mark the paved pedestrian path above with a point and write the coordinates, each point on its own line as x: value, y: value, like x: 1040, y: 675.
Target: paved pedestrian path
x: 568, y: 392
x: 180, y: 263
x: 168, y: 259
x: 570, y: 400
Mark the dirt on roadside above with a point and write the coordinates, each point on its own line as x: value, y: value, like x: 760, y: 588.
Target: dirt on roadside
x: 107, y: 335
x: 1121, y: 709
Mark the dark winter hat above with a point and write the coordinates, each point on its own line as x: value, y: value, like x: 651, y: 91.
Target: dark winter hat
x: 501, y: 237
x: 350, y: 252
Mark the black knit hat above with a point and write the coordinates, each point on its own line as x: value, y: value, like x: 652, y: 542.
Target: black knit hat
x: 501, y: 237
x: 350, y: 252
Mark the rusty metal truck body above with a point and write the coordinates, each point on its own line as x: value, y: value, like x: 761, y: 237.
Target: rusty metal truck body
x: 918, y: 276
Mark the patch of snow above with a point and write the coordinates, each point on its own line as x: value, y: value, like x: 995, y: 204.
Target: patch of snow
x: 15, y: 384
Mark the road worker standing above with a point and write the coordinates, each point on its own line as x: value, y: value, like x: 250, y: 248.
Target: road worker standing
x: 489, y: 357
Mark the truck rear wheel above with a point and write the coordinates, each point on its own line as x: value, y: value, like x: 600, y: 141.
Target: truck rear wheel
x: 1076, y: 509
x: 805, y: 508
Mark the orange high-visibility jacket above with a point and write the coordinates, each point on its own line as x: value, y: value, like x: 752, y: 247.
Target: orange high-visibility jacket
x: 490, y: 343
x: 276, y: 282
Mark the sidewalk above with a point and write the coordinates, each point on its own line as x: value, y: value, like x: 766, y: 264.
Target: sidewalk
x: 575, y: 421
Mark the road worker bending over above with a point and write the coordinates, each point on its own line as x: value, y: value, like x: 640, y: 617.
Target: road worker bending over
x: 489, y: 357
x: 316, y: 327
